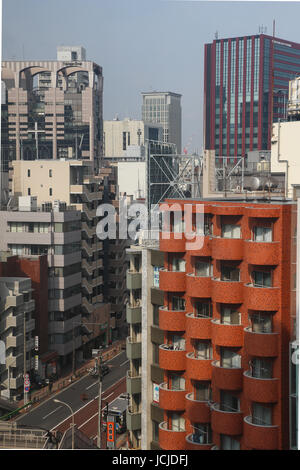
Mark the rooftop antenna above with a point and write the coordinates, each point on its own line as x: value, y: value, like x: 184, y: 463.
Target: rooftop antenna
x: 217, y: 35
x: 262, y: 29
x: 273, y: 28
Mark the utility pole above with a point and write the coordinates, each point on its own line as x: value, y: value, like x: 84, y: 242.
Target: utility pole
x: 24, y: 353
x: 99, y: 399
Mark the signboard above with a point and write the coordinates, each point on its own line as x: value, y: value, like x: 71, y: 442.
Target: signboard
x: 26, y: 383
x: 36, y: 362
x: 156, y: 276
x: 156, y: 393
x: 110, y: 431
x: 36, y: 343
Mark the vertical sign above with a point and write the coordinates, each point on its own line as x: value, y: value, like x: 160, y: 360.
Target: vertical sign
x: 110, y: 430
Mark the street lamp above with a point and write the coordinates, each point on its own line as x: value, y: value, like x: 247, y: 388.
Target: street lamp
x: 72, y: 413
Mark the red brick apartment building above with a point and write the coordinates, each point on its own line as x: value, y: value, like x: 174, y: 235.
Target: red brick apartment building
x: 227, y: 325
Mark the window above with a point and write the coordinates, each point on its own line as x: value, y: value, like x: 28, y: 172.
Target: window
x: 203, y: 349
x: 28, y: 173
x: 50, y: 191
x: 178, y: 304
x: 50, y: 173
x: 230, y: 273
x: 28, y: 191
x: 229, y: 402
x: 261, y: 322
x: 201, y: 433
x: 261, y: 415
x: 202, y: 268
x: 178, y: 343
x: 203, y: 309
x: 230, y: 316
x: 228, y: 443
x: 202, y: 391
x: 262, y: 234
x: 230, y: 358
x: 231, y: 231
x: 261, y: 368
x: 262, y: 279
x: 176, y: 382
x: 177, y: 422
x: 178, y: 264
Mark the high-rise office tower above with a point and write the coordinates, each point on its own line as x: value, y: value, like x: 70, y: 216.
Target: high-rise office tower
x: 57, y: 118
x: 164, y: 108
x: 246, y: 83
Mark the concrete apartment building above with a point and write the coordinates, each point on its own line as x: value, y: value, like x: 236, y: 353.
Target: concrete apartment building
x: 144, y: 376
x: 228, y: 320
x: 118, y: 135
x: 57, y: 118
x: 164, y: 108
x: 36, y: 230
x: 73, y: 182
x: 17, y: 327
x: 35, y: 267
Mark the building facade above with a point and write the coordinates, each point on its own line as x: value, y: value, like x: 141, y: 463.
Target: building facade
x: 73, y: 182
x: 144, y: 375
x: 56, y: 118
x: 246, y: 81
x: 227, y: 325
x: 118, y: 136
x: 17, y: 326
x: 164, y: 108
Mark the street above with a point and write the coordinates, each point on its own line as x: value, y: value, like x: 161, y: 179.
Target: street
x: 50, y: 415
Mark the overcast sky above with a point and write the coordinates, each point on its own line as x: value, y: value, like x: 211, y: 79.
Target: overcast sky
x: 142, y: 45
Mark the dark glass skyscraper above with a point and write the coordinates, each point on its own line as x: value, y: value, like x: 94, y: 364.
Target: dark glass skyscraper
x: 245, y: 90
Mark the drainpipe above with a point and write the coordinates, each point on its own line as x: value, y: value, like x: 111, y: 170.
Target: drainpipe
x: 282, y: 161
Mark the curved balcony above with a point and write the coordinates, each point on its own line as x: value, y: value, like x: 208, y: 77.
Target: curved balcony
x: 264, y: 212
x: 192, y: 444
x: 198, y: 327
x: 198, y: 286
x: 228, y: 210
x: 196, y: 411
x: 224, y: 334
x: 227, y: 292
x: 260, y: 437
x: 171, y: 359
x: 197, y: 368
x: 170, y: 244
x: 261, y: 253
x: 200, y: 245
x: 260, y: 344
x: 171, y: 320
x: 171, y: 439
x: 171, y: 399
x: 226, y: 422
x: 261, y: 298
x: 227, y: 378
x: 260, y: 390
x: 172, y: 281
x: 227, y: 248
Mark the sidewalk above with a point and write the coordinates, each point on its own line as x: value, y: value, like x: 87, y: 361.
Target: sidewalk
x: 63, y: 382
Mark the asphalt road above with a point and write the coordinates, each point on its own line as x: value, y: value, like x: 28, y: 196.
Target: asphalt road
x: 49, y: 415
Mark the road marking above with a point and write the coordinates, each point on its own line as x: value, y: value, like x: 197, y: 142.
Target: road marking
x: 124, y: 363
x: 79, y: 409
x: 90, y: 386
x: 52, y: 412
x: 108, y: 396
x: 88, y: 420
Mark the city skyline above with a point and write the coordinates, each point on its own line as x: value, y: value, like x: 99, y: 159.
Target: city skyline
x: 153, y: 55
